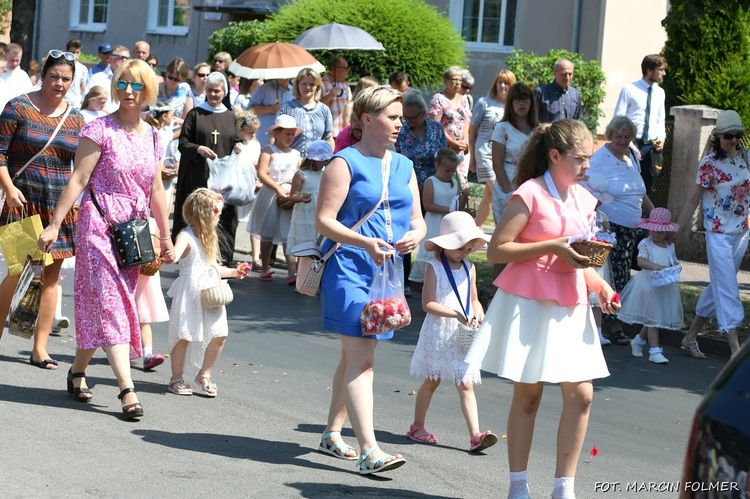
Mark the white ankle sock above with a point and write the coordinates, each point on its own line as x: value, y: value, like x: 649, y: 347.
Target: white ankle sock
x: 564, y: 488
x: 519, y: 487
x: 654, y: 350
x: 639, y: 340
x: 148, y: 351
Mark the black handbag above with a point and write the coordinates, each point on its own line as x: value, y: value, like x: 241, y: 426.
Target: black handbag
x: 131, y: 240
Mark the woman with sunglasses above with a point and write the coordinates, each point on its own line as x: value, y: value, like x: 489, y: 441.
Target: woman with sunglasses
x: 723, y: 184
x: 200, y: 73
x: 117, y: 165
x: 175, y: 91
x: 26, y: 125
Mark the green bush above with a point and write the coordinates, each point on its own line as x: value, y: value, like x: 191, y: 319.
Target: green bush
x: 417, y: 38
x: 235, y: 38
x: 708, y: 51
x: 588, y: 78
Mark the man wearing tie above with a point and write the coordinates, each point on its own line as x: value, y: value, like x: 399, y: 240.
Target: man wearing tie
x: 558, y: 100
x: 643, y: 102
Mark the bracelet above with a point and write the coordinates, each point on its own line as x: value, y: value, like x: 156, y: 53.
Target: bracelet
x: 165, y: 238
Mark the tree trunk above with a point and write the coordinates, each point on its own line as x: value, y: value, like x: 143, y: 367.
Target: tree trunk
x: 22, y: 28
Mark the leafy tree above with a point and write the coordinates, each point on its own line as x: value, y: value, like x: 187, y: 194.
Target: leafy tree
x: 235, y: 38
x: 708, y: 52
x: 417, y: 38
x: 588, y: 79
x: 6, y: 6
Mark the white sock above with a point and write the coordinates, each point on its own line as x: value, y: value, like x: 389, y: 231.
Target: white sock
x: 639, y: 340
x: 564, y: 488
x: 519, y: 486
x: 599, y: 330
x: 654, y: 350
x: 148, y: 351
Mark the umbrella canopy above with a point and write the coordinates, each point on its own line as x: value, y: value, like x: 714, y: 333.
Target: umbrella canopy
x: 337, y: 36
x: 274, y: 60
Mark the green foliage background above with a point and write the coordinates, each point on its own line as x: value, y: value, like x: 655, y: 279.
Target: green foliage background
x: 708, y: 52
x: 417, y: 38
x: 588, y: 79
x: 6, y: 6
x: 235, y: 38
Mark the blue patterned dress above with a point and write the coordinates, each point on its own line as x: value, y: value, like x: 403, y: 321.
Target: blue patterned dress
x: 350, y: 271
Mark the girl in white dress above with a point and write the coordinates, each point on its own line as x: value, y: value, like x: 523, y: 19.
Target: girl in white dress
x: 276, y: 167
x: 449, y: 296
x: 250, y: 153
x: 644, y: 303
x: 437, y: 197
x: 304, y: 193
x: 197, y: 335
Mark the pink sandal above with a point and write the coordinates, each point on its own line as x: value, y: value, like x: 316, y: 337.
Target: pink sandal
x: 266, y: 276
x: 424, y: 438
x: 482, y: 441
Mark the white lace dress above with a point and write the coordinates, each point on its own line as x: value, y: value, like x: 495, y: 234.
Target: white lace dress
x: 188, y: 320
x: 438, y: 354
x: 302, y: 228
x: 443, y: 194
x: 644, y: 303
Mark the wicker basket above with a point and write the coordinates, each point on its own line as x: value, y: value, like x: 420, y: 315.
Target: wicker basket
x: 217, y: 295
x: 152, y: 268
x: 466, y: 336
x: 595, y: 250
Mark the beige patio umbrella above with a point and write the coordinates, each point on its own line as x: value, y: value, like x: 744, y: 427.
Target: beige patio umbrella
x: 274, y: 60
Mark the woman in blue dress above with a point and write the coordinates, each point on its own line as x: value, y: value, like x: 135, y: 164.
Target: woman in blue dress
x: 351, y: 187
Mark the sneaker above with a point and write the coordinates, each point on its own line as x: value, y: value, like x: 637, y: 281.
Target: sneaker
x: 61, y: 322
x: 604, y: 341
x: 407, y: 292
x: 151, y: 361
x: 636, y: 348
x: 658, y: 358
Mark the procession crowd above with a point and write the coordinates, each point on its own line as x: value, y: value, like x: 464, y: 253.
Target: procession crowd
x: 380, y: 173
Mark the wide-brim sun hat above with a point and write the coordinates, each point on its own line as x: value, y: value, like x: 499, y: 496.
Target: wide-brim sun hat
x: 598, y: 186
x: 728, y: 121
x: 659, y: 220
x: 456, y: 230
x: 320, y: 150
x: 285, y: 121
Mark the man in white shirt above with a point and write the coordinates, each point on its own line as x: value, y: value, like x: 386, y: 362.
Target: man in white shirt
x: 643, y: 102
x: 141, y: 50
x: 16, y: 79
x: 77, y: 89
x: 5, y: 92
x: 104, y: 78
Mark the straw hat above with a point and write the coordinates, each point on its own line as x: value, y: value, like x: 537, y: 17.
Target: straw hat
x: 660, y: 220
x: 598, y: 186
x: 456, y: 230
x: 284, y: 121
x: 728, y: 121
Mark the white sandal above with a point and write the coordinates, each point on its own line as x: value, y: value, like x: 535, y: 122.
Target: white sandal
x: 340, y: 446
x: 178, y: 387
x: 207, y: 387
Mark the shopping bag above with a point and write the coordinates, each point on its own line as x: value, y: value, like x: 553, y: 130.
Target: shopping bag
x: 232, y: 179
x: 24, y: 304
x: 19, y: 240
x: 386, y: 308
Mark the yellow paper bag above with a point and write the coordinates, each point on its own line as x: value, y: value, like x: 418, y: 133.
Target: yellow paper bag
x: 19, y: 239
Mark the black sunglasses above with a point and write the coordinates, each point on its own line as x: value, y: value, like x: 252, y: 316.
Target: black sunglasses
x: 730, y: 136
x: 56, y: 54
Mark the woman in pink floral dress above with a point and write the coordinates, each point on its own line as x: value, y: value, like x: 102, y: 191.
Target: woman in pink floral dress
x: 451, y: 108
x: 117, y: 162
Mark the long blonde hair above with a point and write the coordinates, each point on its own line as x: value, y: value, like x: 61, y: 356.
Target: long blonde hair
x: 198, y: 212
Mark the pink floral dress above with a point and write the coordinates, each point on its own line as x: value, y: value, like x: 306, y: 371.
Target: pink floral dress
x: 105, y: 309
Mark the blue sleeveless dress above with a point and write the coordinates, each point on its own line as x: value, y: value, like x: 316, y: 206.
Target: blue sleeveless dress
x: 350, y: 271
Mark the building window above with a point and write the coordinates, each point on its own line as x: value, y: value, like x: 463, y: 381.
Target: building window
x: 486, y: 25
x: 89, y: 15
x: 169, y: 17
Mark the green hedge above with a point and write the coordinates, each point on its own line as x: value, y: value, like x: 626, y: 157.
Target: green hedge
x: 235, y: 38
x: 588, y: 79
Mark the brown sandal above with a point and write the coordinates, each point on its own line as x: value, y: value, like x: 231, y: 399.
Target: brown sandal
x: 618, y: 337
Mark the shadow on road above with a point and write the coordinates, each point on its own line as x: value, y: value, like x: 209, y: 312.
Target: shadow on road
x: 331, y: 491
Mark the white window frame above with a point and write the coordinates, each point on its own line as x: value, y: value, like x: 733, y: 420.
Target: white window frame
x: 92, y: 27
x: 456, y: 13
x: 153, y: 18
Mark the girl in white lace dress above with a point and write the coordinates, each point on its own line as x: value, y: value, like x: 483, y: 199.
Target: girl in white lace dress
x: 449, y: 296
x: 642, y: 301
x: 196, y: 334
x: 437, y: 196
x: 304, y: 194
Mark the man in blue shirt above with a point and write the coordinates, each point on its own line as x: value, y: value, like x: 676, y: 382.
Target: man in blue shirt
x: 105, y: 50
x: 558, y: 100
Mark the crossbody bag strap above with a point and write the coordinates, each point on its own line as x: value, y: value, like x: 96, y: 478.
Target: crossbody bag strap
x: 383, y: 198
x: 41, y: 151
x: 449, y: 273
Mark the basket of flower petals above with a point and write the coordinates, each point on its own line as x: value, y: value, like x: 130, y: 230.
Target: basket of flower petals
x: 596, y: 249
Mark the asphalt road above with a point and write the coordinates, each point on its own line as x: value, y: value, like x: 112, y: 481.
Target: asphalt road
x: 259, y: 437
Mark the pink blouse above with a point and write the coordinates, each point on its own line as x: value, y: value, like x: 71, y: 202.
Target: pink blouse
x: 548, y: 277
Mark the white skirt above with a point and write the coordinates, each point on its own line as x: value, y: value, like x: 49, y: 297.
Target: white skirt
x: 644, y: 303
x: 529, y: 341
